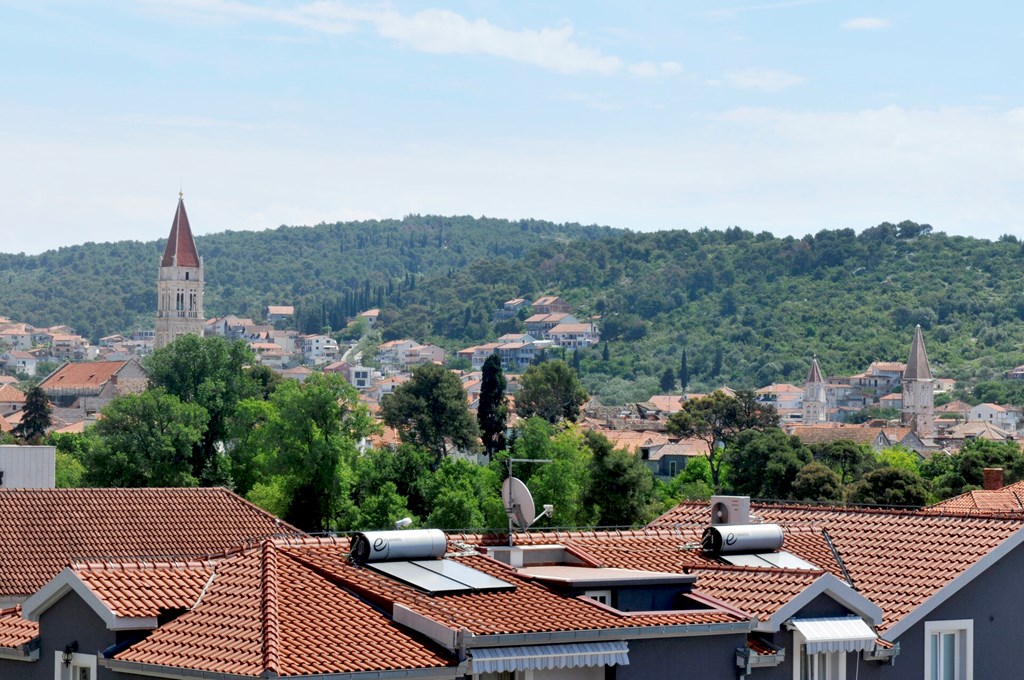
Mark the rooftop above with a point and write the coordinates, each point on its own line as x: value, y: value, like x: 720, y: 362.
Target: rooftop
x: 104, y: 523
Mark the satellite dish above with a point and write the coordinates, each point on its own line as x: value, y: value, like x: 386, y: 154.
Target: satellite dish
x: 518, y: 502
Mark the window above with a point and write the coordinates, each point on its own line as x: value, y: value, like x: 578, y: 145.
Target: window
x: 949, y: 650
x: 602, y: 596
x: 822, y: 666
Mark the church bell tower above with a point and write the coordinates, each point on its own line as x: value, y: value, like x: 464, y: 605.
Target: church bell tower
x: 179, y: 284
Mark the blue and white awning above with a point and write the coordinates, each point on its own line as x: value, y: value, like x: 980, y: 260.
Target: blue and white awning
x: 548, y: 657
x: 839, y: 634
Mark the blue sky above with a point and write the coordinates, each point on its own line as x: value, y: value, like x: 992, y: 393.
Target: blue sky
x: 789, y: 116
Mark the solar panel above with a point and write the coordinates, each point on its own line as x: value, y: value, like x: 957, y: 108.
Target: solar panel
x: 780, y: 559
x: 440, y: 577
x: 474, y: 578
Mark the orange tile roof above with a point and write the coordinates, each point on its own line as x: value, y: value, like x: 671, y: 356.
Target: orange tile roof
x: 142, y: 589
x: 11, y: 394
x: 530, y: 608
x: 897, y: 559
x: 96, y: 523
x: 1003, y: 500
x: 89, y: 374
x: 830, y: 432
x: 5, y: 425
x: 14, y: 630
x: 267, y: 611
x: 669, y: 403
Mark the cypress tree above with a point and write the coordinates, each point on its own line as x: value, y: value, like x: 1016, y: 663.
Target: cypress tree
x: 492, y: 412
x: 684, y: 374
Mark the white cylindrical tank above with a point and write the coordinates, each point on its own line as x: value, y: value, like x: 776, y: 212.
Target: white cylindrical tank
x: 414, y: 544
x: 741, y: 538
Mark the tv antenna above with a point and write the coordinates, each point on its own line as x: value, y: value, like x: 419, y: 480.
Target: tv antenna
x: 518, y: 500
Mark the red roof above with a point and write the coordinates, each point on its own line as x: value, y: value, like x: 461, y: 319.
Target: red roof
x: 141, y: 589
x: 14, y: 630
x: 896, y: 559
x: 43, y: 530
x: 267, y: 610
x: 83, y: 375
x: 11, y: 394
x: 181, y: 247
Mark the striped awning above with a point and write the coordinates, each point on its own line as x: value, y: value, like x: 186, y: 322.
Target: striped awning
x: 839, y: 634
x: 548, y: 657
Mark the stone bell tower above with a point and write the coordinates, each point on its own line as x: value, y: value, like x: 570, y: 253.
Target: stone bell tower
x: 919, y: 390
x: 179, y: 285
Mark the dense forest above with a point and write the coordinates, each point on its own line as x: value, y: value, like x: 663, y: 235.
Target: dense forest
x: 746, y: 309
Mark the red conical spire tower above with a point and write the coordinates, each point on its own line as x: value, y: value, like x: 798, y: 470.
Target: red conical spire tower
x: 181, y: 247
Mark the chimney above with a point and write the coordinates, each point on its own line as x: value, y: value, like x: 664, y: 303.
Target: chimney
x: 993, y: 479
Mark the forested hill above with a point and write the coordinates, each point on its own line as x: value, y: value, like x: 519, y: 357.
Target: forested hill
x: 748, y: 309
x: 103, y: 288
x: 751, y: 309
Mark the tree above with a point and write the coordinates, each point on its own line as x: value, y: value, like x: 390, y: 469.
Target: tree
x: 717, y: 419
x: 564, y: 482
x: 431, y: 410
x: 144, y: 439
x: 684, y: 373
x: 551, y: 391
x: 305, y: 448
x: 817, y: 482
x: 209, y: 372
x: 384, y: 508
x: 849, y: 460
x: 668, y: 380
x: 35, y: 416
x: 492, y: 412
x: 463, y: 495
x: 765, y: 464
x: 621, y: 486
x: 891, y: 486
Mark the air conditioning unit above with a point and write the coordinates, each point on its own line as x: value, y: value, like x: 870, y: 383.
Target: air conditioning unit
x: 730, y: 510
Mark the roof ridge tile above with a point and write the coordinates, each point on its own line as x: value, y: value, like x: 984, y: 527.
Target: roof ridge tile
x: 269, y: 608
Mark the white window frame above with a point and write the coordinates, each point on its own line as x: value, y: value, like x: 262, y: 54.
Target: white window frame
x: 963, y: 630
x: 602, y: 596
x: 835, y: 662
x: 62, y: 672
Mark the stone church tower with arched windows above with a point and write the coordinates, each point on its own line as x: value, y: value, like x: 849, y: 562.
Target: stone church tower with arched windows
x: 815, y: 403
x: 179, y: 286
x: 919, y: 390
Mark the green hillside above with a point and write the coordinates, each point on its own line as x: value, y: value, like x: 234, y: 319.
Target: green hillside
x: 748, y: 309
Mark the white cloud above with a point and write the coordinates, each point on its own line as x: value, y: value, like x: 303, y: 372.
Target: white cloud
x: 765, y: 80
x: 866, y: 24
x: 444, y: 32
x: 436, y: 31
x: 650, y: 69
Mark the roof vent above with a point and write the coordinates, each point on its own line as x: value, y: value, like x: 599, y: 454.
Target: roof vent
x: 730, y: 510
x: 383, y: 546
x: 741, y: 538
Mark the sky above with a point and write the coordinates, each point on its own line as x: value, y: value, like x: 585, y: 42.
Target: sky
x: 788, y: 116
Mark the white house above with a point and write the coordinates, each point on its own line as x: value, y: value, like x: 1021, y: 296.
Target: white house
x: 1004, y: 417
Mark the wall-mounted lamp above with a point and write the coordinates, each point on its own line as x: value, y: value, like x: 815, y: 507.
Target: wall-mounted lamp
x: 69, y: 653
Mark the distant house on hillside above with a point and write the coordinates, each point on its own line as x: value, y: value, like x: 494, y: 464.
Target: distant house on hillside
x: 78, y: 390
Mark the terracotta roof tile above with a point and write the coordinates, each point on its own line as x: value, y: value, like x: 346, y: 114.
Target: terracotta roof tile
x: 896, y: 559
x: 530, y: 608
x: 14, y: 630
x: 96, y: 523
x: 143, y: 589
x: 88, y: 374
x: 265, y: 610
x: 11, y: 394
